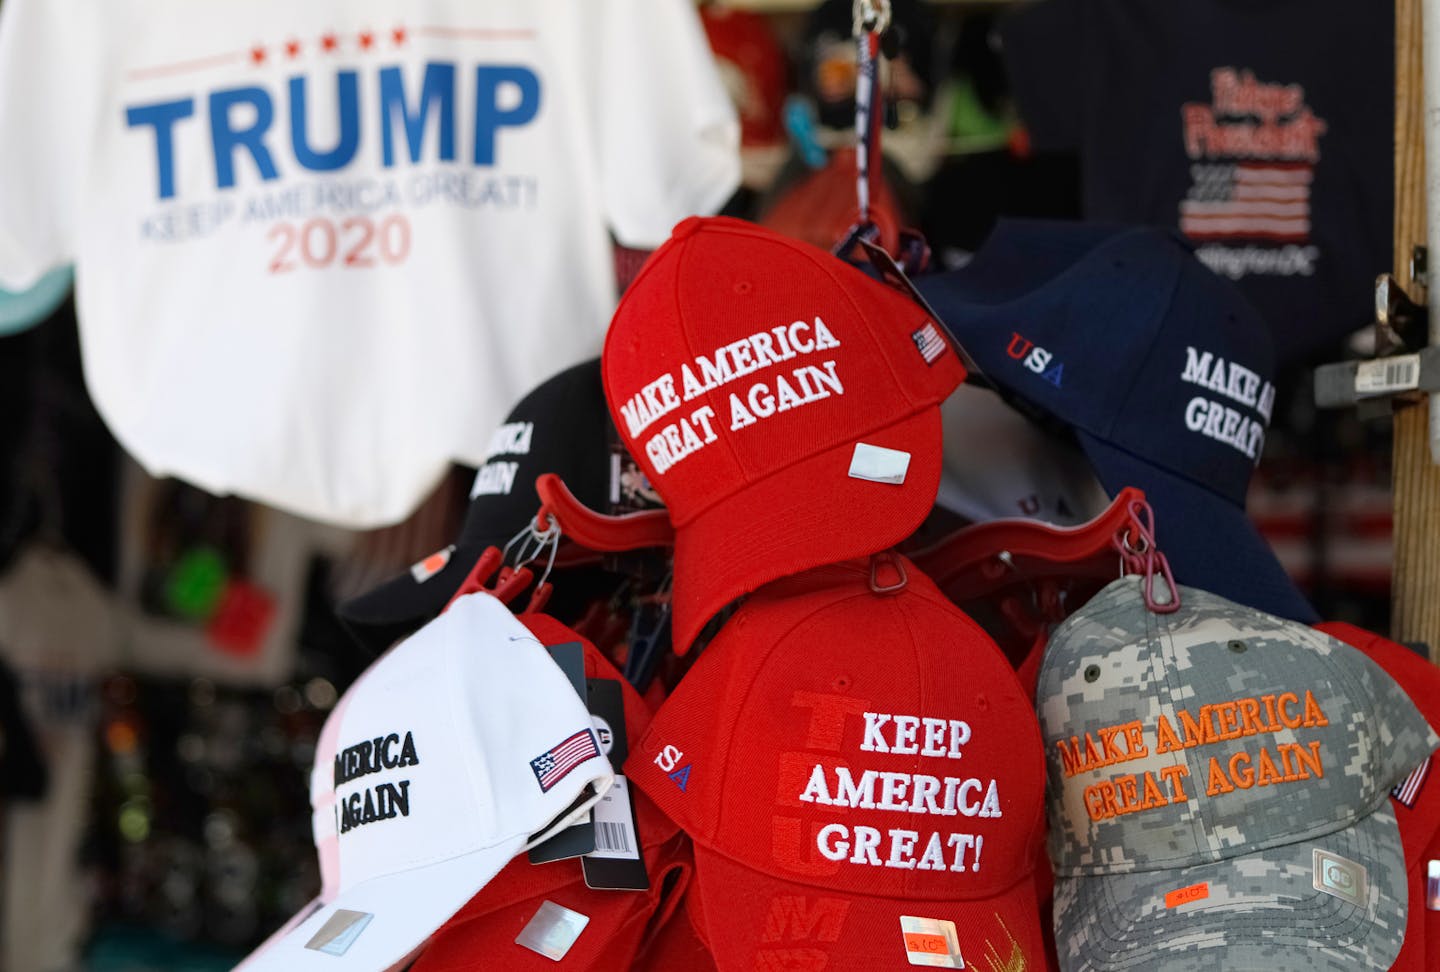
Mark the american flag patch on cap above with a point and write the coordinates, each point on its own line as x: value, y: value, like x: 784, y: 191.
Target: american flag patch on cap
x: 1407, y: 791
x: 552, y: 767
x: 929, y: 342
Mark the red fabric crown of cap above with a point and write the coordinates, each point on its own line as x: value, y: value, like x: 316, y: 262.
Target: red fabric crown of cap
x: 768, y: 389
x: 854, y: 757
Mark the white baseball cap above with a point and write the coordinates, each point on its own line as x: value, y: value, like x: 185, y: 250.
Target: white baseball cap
x: 999, y: 464
x: 461, y: 747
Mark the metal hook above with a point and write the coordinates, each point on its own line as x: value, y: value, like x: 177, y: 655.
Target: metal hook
x: 551, y: 538
x: 529, y: 535
x: 871, y: 15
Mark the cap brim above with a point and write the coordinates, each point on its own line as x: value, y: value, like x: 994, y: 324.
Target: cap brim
x: 404, y: 909
x: 401, y: 605
x: 860, y: 932
x: 1210, y: 542
x: 1257, y: 911
x: 806, y: 515
x: 489, y: 923
x: 609, y: 940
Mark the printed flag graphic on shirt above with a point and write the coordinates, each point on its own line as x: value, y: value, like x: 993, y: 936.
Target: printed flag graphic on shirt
x: 1253, y: 148
x: 1260, y: 201
x: 552, y: 767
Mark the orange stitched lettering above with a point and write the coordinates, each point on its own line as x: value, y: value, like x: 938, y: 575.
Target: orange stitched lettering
x: 1133, y: 793
x: 1245, y: 778
x: 1217, y: 783
x: 1309, y: 762
x: 1166, y: 740
x: 1229, y: 720
x: 1250, y: 717
x: 1288, y: 721
x: 1135, y: 739
x: 1197, y: 734
x: 1271, y: 725
x: 1313, y: 715
x: 1171, y: 775
x: 1267, y: 773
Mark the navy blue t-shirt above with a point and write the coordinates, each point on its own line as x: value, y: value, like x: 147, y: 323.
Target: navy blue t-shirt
x: 1262, y: 129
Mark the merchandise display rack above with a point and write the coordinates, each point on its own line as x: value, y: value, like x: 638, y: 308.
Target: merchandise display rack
x: 1415, y: 597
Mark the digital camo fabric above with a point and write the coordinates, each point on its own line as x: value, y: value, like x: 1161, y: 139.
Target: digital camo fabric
x: 1217, y: 779
x: 1262, y: 911
x: 1169, y: 737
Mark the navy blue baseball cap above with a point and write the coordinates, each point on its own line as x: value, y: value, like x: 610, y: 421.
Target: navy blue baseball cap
x: 1162, y: 369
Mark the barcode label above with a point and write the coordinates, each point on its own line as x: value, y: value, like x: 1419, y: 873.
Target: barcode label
x: 611, y: 836
x: 1385, y: 375
x: 615, y: 824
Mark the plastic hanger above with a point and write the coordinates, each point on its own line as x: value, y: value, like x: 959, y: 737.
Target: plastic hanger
x: 982, y: 560
x: 595, y: 531
x: 510, y: 581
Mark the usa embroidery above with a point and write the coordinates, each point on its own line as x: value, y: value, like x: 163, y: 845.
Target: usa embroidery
x: 1407, y: 791
x: 929, y: 343
x: 553, y: 766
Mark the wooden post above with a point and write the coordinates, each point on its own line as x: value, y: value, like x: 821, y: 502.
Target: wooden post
x: 1415, y: 596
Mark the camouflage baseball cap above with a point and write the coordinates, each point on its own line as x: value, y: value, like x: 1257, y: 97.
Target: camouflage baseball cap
x: 1217, y: 783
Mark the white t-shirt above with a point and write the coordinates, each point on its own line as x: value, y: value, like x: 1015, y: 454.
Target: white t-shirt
x: 322, y: 247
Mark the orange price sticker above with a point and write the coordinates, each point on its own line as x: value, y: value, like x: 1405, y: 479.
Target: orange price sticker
x: 930, y: 944
x: 1182, y: 896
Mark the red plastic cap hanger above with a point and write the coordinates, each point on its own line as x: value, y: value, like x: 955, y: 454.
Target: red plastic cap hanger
x: 595, y: 531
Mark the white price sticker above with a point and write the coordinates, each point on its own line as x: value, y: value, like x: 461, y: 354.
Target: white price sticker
x: 931, y: 942
x: 552, y: 931
x: 1385, y: 375
x: 614, y: 825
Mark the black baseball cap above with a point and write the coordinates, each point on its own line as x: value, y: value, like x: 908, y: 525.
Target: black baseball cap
x: 559, y: 427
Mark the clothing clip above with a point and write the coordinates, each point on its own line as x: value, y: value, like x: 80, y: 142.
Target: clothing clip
x: 1145, y: 559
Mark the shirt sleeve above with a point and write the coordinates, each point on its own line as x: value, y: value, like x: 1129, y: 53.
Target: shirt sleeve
x: 668, y: 137
x: 1044, y: 55
x: 47, y: 102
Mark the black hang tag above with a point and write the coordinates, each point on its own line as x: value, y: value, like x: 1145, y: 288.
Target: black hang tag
x: 607, y: 707
x: 630, y: 492
x: 891, y: 273
x: 619, y: 864
x: 578, y: 838
x: 570, y: 656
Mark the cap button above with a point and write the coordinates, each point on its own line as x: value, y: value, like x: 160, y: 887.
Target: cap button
x: 686, y: 227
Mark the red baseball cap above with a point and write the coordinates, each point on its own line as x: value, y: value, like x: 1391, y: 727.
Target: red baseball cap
x: 1416, y: 800
x: 770, y: 391
x: 676, y: 945
x: 862, y: 778
x: 488, y: 925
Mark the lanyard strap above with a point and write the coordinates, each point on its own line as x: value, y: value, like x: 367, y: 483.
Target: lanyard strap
x: 871, y: 19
